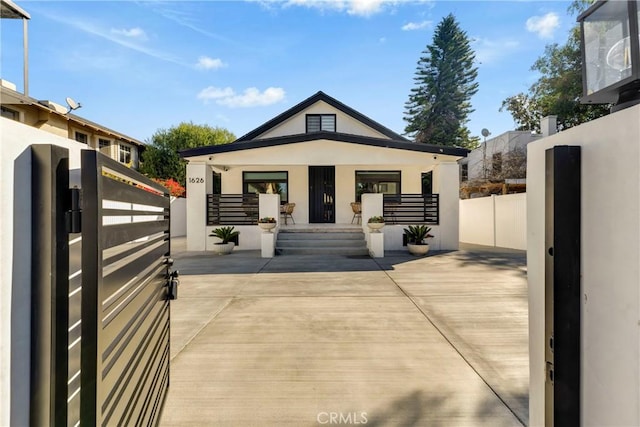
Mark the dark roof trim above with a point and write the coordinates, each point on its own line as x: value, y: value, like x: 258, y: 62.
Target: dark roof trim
x: 321, y: 96
x: 331, y: 136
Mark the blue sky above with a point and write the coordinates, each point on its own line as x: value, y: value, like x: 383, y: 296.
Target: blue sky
x: 137, y: 67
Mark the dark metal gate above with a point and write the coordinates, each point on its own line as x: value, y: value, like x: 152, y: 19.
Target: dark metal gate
x: 322, y: 194
x: 100, y: 323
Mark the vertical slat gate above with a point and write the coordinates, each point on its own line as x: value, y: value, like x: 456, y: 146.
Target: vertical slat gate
x: 125, y: 307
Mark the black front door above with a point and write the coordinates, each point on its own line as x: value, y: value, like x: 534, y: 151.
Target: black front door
x: 322, y: 194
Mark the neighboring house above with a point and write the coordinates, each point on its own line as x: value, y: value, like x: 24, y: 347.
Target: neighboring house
x: 56, y: 119
x: 323, y: 155
x: 500, y: 160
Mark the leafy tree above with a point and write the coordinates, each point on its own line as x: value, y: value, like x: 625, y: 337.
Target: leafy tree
x: 439, y: 104
x: 559, y: 88
x: 161, y: 159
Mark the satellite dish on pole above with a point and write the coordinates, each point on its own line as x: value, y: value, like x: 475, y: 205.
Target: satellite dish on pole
x: 485, y: 132
x: 73, y: 105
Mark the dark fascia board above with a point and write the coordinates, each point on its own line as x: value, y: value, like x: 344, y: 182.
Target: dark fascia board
x: 321, y: 96
x: 331, y: 136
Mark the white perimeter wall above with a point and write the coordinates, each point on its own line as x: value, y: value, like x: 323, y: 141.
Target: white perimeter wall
x: 178, y: 217
x: 15, y: 251
x: 610, y: 247
x: 499, y: 221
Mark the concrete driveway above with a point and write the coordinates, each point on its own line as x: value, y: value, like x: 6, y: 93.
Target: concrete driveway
x: 310, y: 341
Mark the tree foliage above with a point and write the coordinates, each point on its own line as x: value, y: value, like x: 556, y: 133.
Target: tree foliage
x: 559, y: 88
x: 161, y: 159
x: 439, y: 104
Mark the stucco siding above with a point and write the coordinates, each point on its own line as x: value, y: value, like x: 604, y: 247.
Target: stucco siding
x: 345, y: 185
x: 610, y: 287
x: 322, y: 153
x: 344, y: 123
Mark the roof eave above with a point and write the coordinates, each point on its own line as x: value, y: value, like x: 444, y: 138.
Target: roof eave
x: 331, y: 136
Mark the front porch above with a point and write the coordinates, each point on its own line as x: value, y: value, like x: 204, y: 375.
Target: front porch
x: 243, y: 211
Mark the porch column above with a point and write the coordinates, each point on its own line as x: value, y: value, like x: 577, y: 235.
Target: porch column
x: 372, y: 205
x: 199, y: 184
x: 446, y: 183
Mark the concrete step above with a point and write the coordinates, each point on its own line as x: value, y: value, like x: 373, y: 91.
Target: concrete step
x: 345, y: 240
x: 320, y: 236
x: 323, y: 243
x: 322, y: 251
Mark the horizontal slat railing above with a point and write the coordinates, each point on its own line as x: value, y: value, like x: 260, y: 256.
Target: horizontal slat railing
x: 232, y: 209
x: 412, y: 209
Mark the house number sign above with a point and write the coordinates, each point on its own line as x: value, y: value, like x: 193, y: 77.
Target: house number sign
x: 196, y: 180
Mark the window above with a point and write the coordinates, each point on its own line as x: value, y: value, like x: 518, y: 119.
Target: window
x: 267, y: 183
x: 496, y: 165
x: 387, y: 182
x: 321, y: 122
x: 10, y: 114
x: 464, y: 172
x: 82, y: 137
x: 427, y: 183
x: 217, y: 183
x: 104, y: 145
x: 125, y: 153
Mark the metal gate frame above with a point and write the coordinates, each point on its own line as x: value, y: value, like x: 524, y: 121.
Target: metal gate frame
x: 109, y: 364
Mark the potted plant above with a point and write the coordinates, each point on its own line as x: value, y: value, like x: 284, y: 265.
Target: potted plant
x: 416, y: 235
x: 225, y: 234
x: 267, y: 223
x: 375, y: 223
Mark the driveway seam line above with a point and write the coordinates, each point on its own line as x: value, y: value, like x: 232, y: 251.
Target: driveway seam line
x: 216, y: 314
x: 426, y: 316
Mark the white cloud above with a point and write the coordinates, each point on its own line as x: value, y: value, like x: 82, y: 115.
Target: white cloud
x: 412, y: 26
x: 543, y: 26
x: 251, y: 97
x: 491, y: 51
x: 206, y: 63
x: 352, y: 7
x: 134, y: 33
x: 364, y: 7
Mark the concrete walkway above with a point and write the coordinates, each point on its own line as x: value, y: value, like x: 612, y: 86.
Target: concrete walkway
x: 309, y: 341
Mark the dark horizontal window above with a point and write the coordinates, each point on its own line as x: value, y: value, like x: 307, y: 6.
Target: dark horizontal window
x: 386, y: 182
x: 266, y: 183
x: 321, y: 122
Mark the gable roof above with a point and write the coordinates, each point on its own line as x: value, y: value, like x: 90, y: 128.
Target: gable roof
x: 320, y: 96
x: 324, y: 135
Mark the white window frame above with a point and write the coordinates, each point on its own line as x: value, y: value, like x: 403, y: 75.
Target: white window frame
x: 125, y: 149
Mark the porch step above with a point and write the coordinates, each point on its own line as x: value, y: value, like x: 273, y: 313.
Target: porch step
x: 349, y: 242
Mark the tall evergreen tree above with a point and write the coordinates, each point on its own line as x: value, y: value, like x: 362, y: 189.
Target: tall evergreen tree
x: 439, y: 104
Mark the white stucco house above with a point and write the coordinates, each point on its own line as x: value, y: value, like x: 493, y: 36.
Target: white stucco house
x: 322, y: 155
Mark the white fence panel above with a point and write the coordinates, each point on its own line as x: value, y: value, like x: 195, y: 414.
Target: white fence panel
x: 178, y: 217
x: 511, y: 221
x: 499, y: 221
x: 477, y: 221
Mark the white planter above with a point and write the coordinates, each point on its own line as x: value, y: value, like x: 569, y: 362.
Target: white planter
x: 419, y: 250
x: 223, y: 248
x: 375, y: 226
x: 267, y: 226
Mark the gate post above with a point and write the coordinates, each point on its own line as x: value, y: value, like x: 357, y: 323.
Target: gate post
x: 49, y: 286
